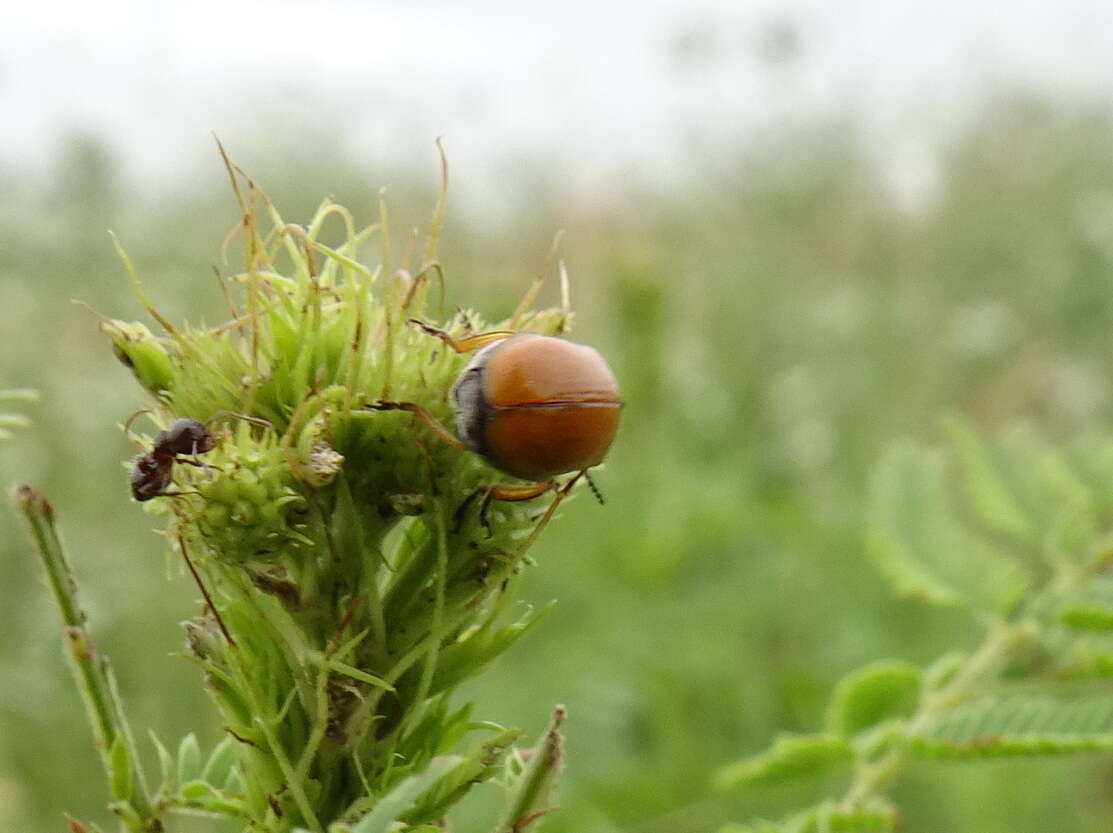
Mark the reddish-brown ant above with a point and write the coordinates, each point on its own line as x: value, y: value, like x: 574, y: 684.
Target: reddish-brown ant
x: 153, y: 473
x: 154, y: 470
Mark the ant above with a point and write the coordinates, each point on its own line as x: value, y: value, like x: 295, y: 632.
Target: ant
x: 154, y: 470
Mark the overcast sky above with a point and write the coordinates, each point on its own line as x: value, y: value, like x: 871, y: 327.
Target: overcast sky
x: 590, y: 85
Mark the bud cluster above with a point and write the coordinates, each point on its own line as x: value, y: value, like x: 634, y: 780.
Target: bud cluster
x: 353, y: 573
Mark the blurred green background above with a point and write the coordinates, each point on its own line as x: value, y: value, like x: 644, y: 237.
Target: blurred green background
x: 776, y: 315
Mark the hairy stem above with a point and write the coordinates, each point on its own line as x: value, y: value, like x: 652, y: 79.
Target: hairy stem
x: 91, y: 671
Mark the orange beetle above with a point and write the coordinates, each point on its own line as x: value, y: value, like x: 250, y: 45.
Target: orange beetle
x: 533, y: 406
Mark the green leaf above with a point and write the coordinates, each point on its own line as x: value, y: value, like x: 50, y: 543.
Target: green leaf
x: 758, y: 826
x: 1020, y: 724
x: 1087, y: 617
x: 398, y: 800
x: 166, y: 764
x: 438, y: 731
x: 356, y: 673
x: 989, y: 492
x: 195, y: 790
x: 1088, y: 608
x: 873, y: 816
x: 120, y: 765
x: 530, y: 794
x: 921, y: 547
x: 142, y: 353
x: 468, y: 656
x: 791, y: 757
x: 481, y: 763
x: 871, y: 695
x: 219, y: 766
x: 189, y: 759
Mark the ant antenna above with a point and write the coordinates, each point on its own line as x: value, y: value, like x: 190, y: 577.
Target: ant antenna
x: 204, y: 591
x: 594, y: 489
x: 133, y: 417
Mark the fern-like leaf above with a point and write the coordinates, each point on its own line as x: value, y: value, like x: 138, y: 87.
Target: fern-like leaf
x: 1019, y: 724
x: 790, y: 758
x: 874, y: 816
x: 871, y: 695
x: 921, y: 546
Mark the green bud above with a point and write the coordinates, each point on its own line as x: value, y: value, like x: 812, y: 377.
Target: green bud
x: 137, y: 348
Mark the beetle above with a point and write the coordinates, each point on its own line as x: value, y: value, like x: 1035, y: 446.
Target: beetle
x: 533, y: 406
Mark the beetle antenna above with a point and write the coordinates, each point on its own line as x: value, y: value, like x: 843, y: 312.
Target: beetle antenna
x: 594, y: 489
x: 204, y: 591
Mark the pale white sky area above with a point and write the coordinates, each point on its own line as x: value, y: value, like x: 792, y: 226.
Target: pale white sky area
x: 595, y: 87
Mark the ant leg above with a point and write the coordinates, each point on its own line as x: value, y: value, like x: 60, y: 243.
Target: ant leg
x: 420, y: 413
x: 466, y: 344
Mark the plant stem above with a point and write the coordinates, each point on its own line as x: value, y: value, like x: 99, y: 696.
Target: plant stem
x: 91, y: 671
x: 870, y: 778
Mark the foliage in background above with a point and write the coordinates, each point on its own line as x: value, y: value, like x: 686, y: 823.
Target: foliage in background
x: 1017, y: 533
x: 775, y: 319
x: 9, y: 421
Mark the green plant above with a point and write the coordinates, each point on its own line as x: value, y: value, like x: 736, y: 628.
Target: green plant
x: 1020, y: 534
x: 352, y: 574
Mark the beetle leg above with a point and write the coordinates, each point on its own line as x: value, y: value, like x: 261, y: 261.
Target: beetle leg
x: 420, y: 413
x: 560, y: 492
x: 466, y: 344
x: 502, y: 491
x: 511, y: 494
